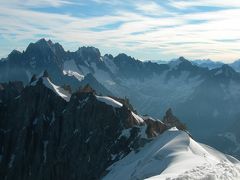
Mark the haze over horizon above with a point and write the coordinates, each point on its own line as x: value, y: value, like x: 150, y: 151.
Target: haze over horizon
x: 146, y: 30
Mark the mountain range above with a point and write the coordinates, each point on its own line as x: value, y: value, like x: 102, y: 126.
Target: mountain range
x: 53, y: 134
x: 207, y: 63
x: 206, y: 99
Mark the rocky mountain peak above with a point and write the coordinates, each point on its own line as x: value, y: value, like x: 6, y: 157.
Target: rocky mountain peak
x: 45, y: 46
x: 45, y: 74
x: 43, y: 42
x: 123, y: 57
x: 14, y: 52
x: 89, y: 54
x: 225, y: 71
x: 43, y: 54
x: 40, y: 45
x: 172, y: 121
x: 184, y: 61
x: 109, y: 56
x: 169, y: 113
x: 15, y: 57
x: 34, y: 78
x: 181, y: 63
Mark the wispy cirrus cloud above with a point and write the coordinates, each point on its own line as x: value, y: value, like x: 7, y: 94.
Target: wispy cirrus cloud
x: 144, y: 29
x: 151, y: 8
x: 34, y: 3
x: 183, y: 4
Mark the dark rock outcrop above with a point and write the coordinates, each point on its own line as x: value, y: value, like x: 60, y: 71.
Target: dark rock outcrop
x: 172, y: 121
x: 44, y: 137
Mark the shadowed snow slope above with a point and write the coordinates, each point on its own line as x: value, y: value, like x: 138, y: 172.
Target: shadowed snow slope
x: 174, y: 155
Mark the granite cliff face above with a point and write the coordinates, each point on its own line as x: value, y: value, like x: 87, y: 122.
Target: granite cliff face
x: 45, y: 137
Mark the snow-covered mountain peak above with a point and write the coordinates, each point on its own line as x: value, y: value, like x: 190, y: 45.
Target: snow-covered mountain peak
x: 175, y: 155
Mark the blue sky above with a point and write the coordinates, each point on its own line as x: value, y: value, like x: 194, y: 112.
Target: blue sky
x: 145, y: 29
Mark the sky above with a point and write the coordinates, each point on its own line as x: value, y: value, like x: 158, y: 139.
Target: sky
x: 144, y: 29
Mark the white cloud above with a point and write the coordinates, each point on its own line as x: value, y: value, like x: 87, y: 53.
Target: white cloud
x: 182, y: 4
x: 165, y: 36
x: 112, y: 2
x: 37, y: 3
x: 150, y: 7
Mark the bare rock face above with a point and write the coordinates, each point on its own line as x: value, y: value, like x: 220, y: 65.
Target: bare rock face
x: 44, y: 137
x: 172, y: 121
x: 154, y: 127
x: 27, y: 125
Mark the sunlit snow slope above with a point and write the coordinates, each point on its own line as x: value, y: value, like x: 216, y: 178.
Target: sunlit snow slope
x: 60, y: 91
x: 174, y: 155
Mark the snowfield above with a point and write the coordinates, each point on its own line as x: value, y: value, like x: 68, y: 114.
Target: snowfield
x: 70, y: 68
x: 174, y: 155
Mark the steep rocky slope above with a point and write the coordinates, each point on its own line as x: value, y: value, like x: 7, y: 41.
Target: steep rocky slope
x: 45, y: 137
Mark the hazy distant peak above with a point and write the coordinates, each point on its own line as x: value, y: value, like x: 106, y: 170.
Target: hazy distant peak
x: 109, y: 56
x: 227, y: 69
x: 123, y: 56
x: 88, y: 49
x: 183, y: 59
x: 14, y: 52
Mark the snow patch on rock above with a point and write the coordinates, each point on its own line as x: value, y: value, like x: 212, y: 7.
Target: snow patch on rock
x: 70, y: 68
x: 138, y: 118
x: 109, y: 101
x: 58, y: 90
